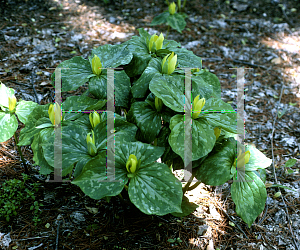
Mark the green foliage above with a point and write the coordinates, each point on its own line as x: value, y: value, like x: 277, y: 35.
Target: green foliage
x: 150, y: 92
x: 13, y: 194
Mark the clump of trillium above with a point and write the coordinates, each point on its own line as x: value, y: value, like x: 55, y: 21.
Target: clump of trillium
x: 168, y: 64
x: 96, y: 65
x: 155, y: 43
x: 197, y: 106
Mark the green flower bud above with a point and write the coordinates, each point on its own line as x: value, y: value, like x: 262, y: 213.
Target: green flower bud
x: 96, y: 65
x: 239, y: 160
x: 94, y: 119
x: 12, y: 101
x: 92, y: 150
x: 158, y: 103
x: 168, y: 64
x: 155, y: 43
x: 131, y: 163
x: 197, y: 106
x: 172, y: 8
x: 217, y: 132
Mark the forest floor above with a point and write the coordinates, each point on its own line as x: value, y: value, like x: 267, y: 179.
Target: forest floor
x: 261, y: 36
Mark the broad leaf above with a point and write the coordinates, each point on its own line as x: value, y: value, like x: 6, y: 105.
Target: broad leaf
x: 74, y: 73
x: 215, y: 170
x: 23, y: 110
x: 203, y: 138
x: 249, y: 195
x: 170, y: 90
x: 176, y: 21
x: 141, y: 86
x: 8, y: 126
x: 257, y: 159
x: 5, y: 92
x: 160, y: 19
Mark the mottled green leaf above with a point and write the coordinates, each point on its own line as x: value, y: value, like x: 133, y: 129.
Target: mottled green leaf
x: 160, y: 19
x: 23, y: 110
x: 203, y: 138
x: 257, y: 159
x: 140, y: 87
x: 155, y: 190
x: 215, y: 170
x: 170, y: 90
x: 8, y: 126
x: 249, y: 195
x: 176, y: 21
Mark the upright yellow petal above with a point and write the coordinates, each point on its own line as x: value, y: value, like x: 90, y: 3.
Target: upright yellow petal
x: 164, y: 65
x: 172, y: 8
x: 159, y: 41
x: 96, y: 65
x: 172, y: 64
x: 57, y: 114
x: 12, y: 101
x: 131, y: 163
x: 51, y: 114
x: 217, y: 132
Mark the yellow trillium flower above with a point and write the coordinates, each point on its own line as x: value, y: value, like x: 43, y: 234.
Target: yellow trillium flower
x: 172, y: 8
x: 92, y: 150
x: 217, y: 132
x: 94, y: 119
x: 12, y: 101
x: 158, y: 103
x: 197, y: 106
x: 96, y: 65
x: 52, y: 115
x: 239, y: 160
x: 156, y: 42
x: 131, y: 163
x: 168, y: 63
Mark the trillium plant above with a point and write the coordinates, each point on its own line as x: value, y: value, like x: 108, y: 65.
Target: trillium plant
x: 171, y: 18
x: 149, y: 129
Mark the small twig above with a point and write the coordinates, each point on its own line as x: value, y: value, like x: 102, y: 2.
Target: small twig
x: 250, y: 64
x: 32, y: 83
x: 34, y: 238
x: 286, y: 17
x: 57, y: 234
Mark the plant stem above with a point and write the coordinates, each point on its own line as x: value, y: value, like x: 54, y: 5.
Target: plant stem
x: 168, y: 31
x: 194, y: 186
x: 186, y: 187
x: 20, y: 153
x: 184, y: 2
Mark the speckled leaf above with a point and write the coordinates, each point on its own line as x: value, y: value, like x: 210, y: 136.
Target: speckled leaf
x: 160, y: 19
x: 220, y: 114
x: 140, y: 87
x: 262, y: 174
x: 187, y: 59
x: 249, y: 197
x: 141, y: 57
x: 83, y: 102
x: 27, y: 133
x: 176, y: 21
x: 187, y: 208
x: 200, y: 87
x: 213, y: 80
x: 92, y: 179
x: 155, y: 190
x: 38, y: 156
x: 5, y: 92
x: 170, y: 90
x: 203, y: 138
x: 78, y: 72
x: 98, y: 87
x: 74, y: 146
x: 147, y: 119
x: 257, y: 159
x: 23, y: 110
x: 8, y: 126
x: 112, y: 56
x: 215, y: 170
